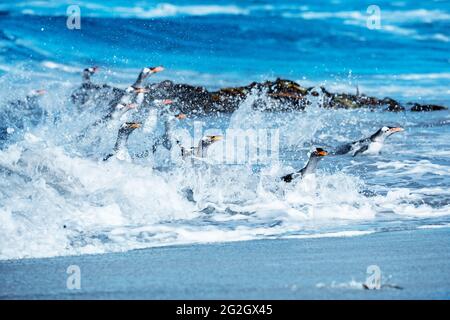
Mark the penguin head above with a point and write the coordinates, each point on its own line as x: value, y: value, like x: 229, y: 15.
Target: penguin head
x: 149, y: 70
x: 37, y: 93
x: 135, y: 90
x: 140, y: 90
x: 208, y: 140
x: 386, y: 131
x: 129, y: 127
x: 91, y: 70
x: 156, y: 69
x: 319, y: 152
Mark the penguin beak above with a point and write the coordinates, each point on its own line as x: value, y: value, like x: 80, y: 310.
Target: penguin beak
x: 40, y: 92
x: 397, y: 129
x: 140, y: 90
x: 95, y: 69
x: 156, y: 69
x: 131, y: 106
x: 216, y: 138
x: 181, y: 116
x: 167, y: 101
x: 322, y: 153
x: 135, y: 125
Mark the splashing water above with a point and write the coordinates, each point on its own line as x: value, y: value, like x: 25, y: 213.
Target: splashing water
x: 58, y: 198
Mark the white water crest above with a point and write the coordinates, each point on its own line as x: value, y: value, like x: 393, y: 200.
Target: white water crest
x: 57, y: 197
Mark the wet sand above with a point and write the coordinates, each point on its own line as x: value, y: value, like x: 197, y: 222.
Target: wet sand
x: 415, y: 264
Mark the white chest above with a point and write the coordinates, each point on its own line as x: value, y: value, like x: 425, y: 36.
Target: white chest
x: 151, y: 121
x: 374, y: 147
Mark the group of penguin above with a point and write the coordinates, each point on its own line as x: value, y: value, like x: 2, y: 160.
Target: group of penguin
x: 135, y: 108
x: 369, y: 145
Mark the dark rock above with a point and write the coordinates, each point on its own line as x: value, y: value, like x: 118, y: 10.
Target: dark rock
x: 426, y: 107
x: 278, y: 95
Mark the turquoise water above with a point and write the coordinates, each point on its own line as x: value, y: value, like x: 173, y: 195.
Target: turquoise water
x: 58, y: 198
x: 217, y: 43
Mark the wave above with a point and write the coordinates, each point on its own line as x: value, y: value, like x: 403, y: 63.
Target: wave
x: 138, y: 10
x: 391, y: 21
x: 144, y: 10
x: 57, y: 198
x: 415, y: 76
x: 419, y: 15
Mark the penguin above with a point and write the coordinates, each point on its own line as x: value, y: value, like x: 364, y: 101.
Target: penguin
x: 310, y: 167
x: 137, y: 85
x: 144, y: 74
x: 201, y: 151
x: 20, y: 114
x: 129, y: 101
x: 87, y: 89
x: 370, y: 145
x: 153, y: 116
x: 150, y: 113
x: 167, y: 116
x: 31, y: 101
x: 121, y: 146
x: 132, y: 98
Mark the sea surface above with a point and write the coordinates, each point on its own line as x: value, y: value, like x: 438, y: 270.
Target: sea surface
x: 57, y: 198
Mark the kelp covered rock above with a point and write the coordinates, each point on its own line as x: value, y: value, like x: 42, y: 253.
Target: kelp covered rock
x: 279, y: 95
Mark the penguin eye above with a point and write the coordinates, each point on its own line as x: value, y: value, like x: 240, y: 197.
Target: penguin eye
x: 384, y: 129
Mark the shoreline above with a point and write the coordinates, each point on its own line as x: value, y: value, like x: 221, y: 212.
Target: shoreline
x: 413, y: 265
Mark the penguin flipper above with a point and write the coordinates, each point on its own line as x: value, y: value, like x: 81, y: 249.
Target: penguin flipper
x: 288, y: 178
x: 107, y: 157
x: 344, y: 149
x: 361, y: 150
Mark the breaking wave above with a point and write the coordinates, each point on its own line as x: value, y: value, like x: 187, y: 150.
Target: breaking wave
x: 58, y: 198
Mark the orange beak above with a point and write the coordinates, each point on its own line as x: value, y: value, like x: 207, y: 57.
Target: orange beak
x: 322, y: 153
x: 216, y: 138
x: 167, y: 101
x: 157, y: 69
x: 181, y: 116
x: 141, y: 90
x: 397, y: 129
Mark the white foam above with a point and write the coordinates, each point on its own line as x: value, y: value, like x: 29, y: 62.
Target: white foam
x: 435, y: 226
x: 391, y: 20
x: 58, y: 199
x: 340, y: 234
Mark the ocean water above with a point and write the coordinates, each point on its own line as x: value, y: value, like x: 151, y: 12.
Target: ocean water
x: 58, y: 198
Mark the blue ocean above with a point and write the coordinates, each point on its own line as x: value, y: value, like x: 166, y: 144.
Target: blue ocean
x: 57, y: 198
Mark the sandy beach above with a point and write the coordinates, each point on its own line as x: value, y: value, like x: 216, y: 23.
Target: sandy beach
x: 414, y: 265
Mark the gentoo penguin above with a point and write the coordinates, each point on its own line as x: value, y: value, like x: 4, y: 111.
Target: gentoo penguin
x: 370, y: 145
x: 30, y: 102
x: 82, y: 94
x: 166, y: 116
x: 133, y: 95
x: 131, y: 100
x: 121, y: 147
x: 149, y: 114
x: 138, y: 84
x: 310, y: 167
x: 201, y: 151
x: 144, y: 74
x: 17, y: 113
